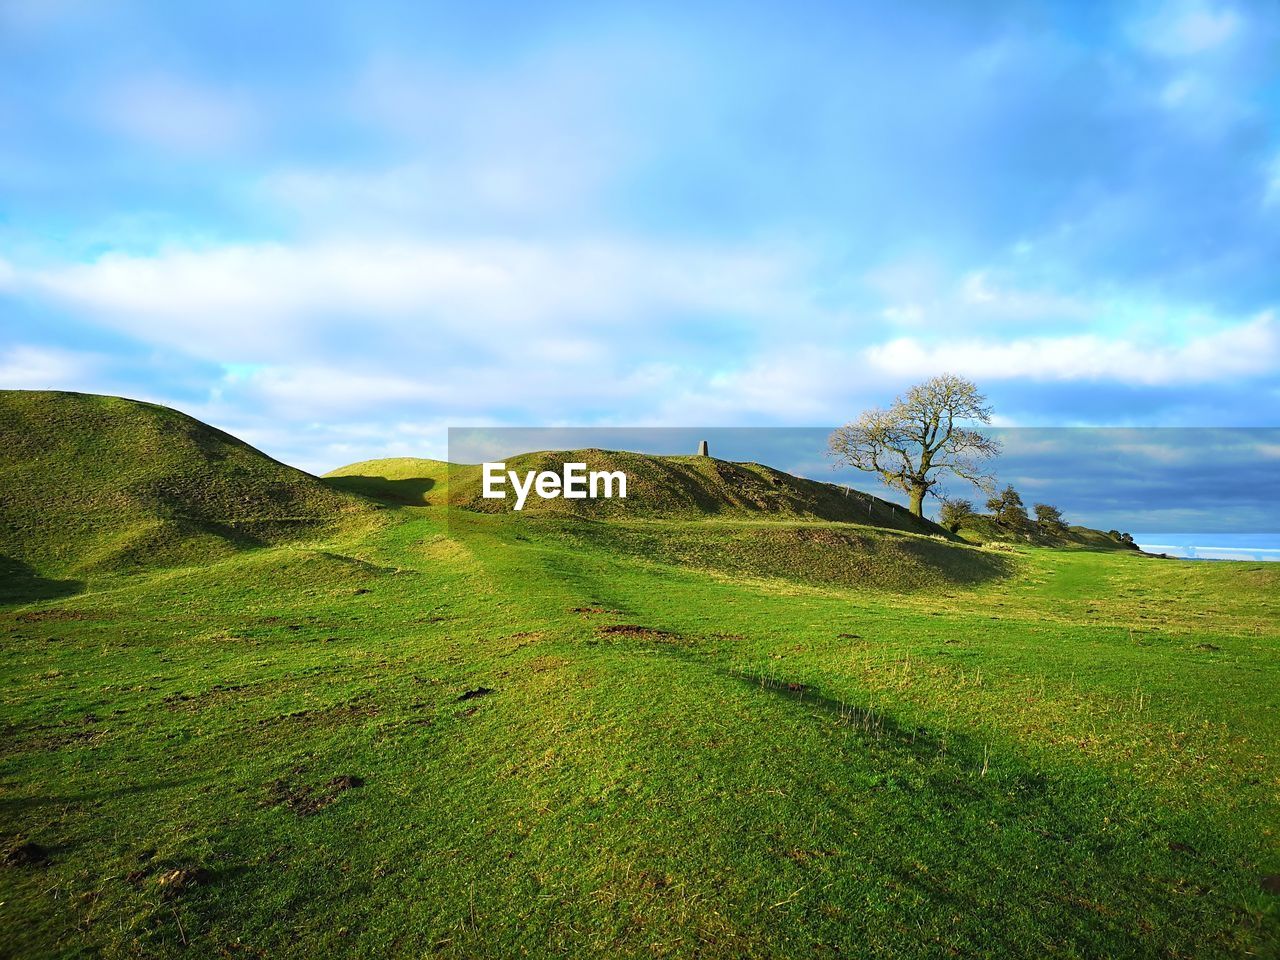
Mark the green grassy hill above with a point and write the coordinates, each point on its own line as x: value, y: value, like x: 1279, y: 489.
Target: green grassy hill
x: 805, y: 552
x: 93, y: 483
x: 729, y: 725
x: 412, y: 481
x: 739, y: 519
x: 983, y: 528
x: 506, y: 738
x: 688, y: 487
x: 726, y: 518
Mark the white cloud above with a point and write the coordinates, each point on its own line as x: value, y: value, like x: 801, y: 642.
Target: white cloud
x: 1271, y: 195
x: 320, y: 389
x: 175, y: 114
x: 906, y: 314
x: 790, y: 385
x: 322, y: 335
x: 25, y: 367
x: 978, y: 290
x: 913, y: 280
x: 268, y: 302
x: 34, y: 18
x: 916, y: 290
x: 1246, y: 349
x: 1180, y: 91
x: 1189, y: 28
x: 538, y: 136
x: 509, y: 182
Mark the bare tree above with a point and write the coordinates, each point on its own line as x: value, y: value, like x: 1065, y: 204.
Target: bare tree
x: 921, y: 438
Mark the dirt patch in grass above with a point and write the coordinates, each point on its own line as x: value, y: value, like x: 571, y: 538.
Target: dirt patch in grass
x: 637, y: 632
x: 804, y: 856
x: 231, y: 696
x: 335, y: 716
x: 195, y: 702
x: 174, y: 882
x: 505, y: 646
x: 26, y: 853
x: 50, y: 737
x: 477, y: 692
x: 305, y: 800
x: 546, y: 662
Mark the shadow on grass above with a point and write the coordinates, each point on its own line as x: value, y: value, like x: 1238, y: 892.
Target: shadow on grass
x: 411, y: 492
x: 866, y: 720
x: 992, y: 817
x: 20, y: 583
x: 17, y: 805
x: 967, y: 760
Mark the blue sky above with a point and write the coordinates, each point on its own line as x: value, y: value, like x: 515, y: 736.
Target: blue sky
x: 337, y: 229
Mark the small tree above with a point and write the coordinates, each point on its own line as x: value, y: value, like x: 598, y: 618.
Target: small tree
x: 1049, y: 519
x: 1006, y: 506
x: 920, y: 438
x: 954, y: 513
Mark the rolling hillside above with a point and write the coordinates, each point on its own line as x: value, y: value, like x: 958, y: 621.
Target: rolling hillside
x: 688, y: 487
x: 724, y: 723
x: 983, y: 528
x: 94, y: 483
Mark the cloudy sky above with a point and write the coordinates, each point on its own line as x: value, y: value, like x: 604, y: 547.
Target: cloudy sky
x: 337, y: 229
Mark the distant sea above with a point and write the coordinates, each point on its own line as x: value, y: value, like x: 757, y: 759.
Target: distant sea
x: 1212, y: 546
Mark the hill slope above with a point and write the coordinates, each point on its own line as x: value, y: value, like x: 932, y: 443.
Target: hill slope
x: 414, y: 481
x: 91, y: 482
x: 690, y: 487
x: 984, y: 528
x: 696, y: 512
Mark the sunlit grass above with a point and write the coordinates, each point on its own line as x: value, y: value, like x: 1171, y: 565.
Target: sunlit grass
x: 1069, y: 754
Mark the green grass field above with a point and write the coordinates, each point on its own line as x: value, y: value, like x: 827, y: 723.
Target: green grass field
x: 421, y: 731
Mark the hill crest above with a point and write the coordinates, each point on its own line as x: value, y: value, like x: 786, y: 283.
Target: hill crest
x: 94, y: 483
x: 659, y: 487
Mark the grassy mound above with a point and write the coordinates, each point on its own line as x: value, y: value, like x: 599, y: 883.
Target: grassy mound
x: 821, y: 554
x: 687, y: 487
x: 751, y: 520
x: 984, y: 528
x: 412, y: 481
x: 93, y: 483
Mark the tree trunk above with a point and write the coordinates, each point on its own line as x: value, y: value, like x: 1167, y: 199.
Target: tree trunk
x: 917, y: 500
